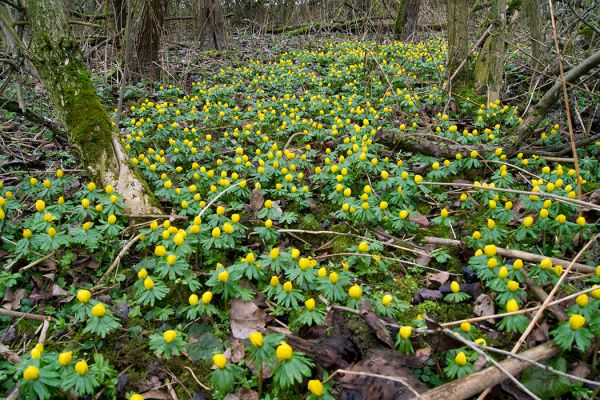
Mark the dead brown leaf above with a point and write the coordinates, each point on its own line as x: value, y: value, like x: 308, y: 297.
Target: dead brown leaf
x: 245, y: 318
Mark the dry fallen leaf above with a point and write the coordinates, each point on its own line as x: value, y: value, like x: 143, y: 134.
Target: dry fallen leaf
x: 245, y: 318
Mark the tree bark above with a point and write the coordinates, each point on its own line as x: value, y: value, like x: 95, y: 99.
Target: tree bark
x: 457, y: 12
x: 147, y: 31
x: 211, y: 24
x: 495, y: 78
x: 533, y: 13
x: 475, y: 383
x: 405, y: 24
x: 58, y: 61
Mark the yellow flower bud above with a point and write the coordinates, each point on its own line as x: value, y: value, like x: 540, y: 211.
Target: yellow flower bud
x: 284, y: 352
x: 99, y: 310
x: 31, y: 373
x: 81, y: 367
x: 84, y: 295
x: 576, y: 321
x: 219, y: 360
x: 169, y: 336
x: 461, y: 358
x: 65, y: 358
x: 256, y: 338
x: 315, y: 387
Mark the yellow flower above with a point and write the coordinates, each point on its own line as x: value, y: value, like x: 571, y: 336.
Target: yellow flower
x: 81, y: 367
x: 444, y: 213
x: 481, y: 341
x: 112, y: 219
x: 576, y: 321
x: 219, y: 360
x: 250, y: 258
x: 148, y: 284
x: 461, y: 358
x: 418, y: 179
x: 268, y: 224
x: 304, y: 263
x: 491, y: 223
x: 228, y: 228
x: 528, y: 221
x: 513, y: 286
x: 512, y: 305
x: 35, y: 353
x: 193, y: 299
x: 315, y: 387
x: 596, y: 292
x: 268, y: 204
x: 333, y: 277
x: 310, y: 304
x: 160, y: 251
x: 169, y: 336
x: 256, y: 338
x: 546, y: 263
x: 581, y: 221
x: 207, y: 297
x: 274, y: 253
x: 178, y: 239
x: 91, y: 186
x: 216, y: 232
x: 503, y: 273
x: 387, y: 299
x: 355, y: 292
x: 490, y: 250
x: 582, y: 300
x: 476, y: 235
x: 274, y: 281
x: 363, y: 247
x: 171, y: 259
x: 284, y: 352
x: 406, y: 332
x: 223, y: 276
x: 99, y: 310
x: 31, y: 373
x: 465, y: 327
x: 518, y: 264
x: 136, y: 396
x: 455, y: 287
x: 84, y: 295
x: 287, y: 286
x: 40, y: 205
x: 65, y: 358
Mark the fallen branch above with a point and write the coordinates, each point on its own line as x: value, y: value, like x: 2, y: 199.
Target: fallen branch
x: 496, y: 364
x: 18, y: 314
x: 117, y: 260
x: 523, y: 255
x: 540, y: 110
x: 586, y: 204
x: 475, y: 383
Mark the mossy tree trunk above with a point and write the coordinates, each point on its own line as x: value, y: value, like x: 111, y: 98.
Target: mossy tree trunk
x: 457, y: 13
x: 495, y: 78
x: 405, y: 24
x: 59, y: 63
x: 147, y: 30
x: 533, y: 13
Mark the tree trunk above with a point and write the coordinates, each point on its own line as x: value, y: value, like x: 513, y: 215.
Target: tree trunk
x: 495, y: 78
x: 59, y: 63
x: 405, y: 24
x: 533, y: 13
x: 211, y: 24
x: 147, y: 31
x: 457, y: 12
x: 118, y: 11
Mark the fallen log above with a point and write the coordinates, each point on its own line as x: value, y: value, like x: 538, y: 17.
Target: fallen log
x: 523, y: 255
x: 475, y: 383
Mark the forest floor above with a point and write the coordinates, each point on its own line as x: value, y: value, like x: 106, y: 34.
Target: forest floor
x: 299, y: 239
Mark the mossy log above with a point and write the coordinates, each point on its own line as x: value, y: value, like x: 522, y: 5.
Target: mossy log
x: 59, y: 63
